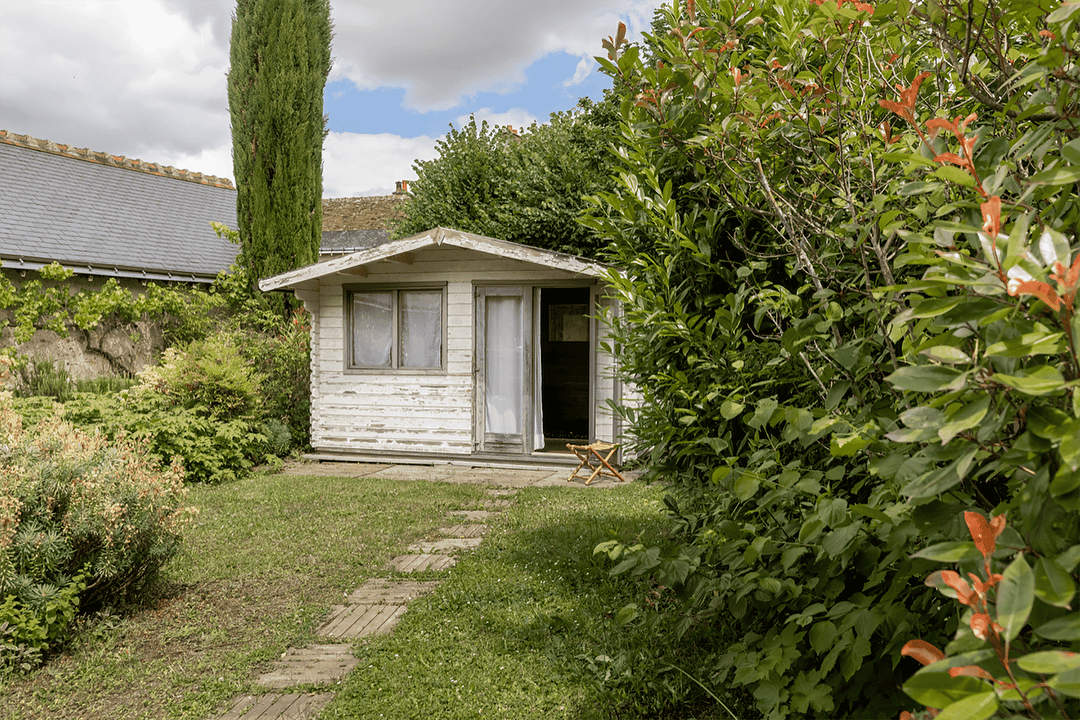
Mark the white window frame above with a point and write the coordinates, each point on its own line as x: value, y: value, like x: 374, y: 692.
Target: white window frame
x: 395, y: 349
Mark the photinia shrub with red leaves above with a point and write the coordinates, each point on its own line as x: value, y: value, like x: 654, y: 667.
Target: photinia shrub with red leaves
x: 997, y: 662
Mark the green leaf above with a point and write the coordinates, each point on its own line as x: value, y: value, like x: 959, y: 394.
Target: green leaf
x: 939, y: 690
x: 822, y: 636
x: 932, y: 308
x: 730, y: 409
x: 928, y: 378
x: 1060, y: 175
x: 1015, y: 596
x: 966, y: 418
x: 836, y: 541
x: 746, y: 486
x: 1043, y: 380
x: 923, y: 417
x: 933, y: 482
x: 1049, y: 423
x: 954, y: 174
x: 1040, y: 343
x: 1049, y: 662
x: 1063, y: 628
x: 1066, y: 682
x: 1053, y: 585
x: 974, y: 707
x: 946, y: 354
x: 950, y: 552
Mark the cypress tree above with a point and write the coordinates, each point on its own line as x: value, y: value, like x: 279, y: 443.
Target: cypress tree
x: 279, y: 60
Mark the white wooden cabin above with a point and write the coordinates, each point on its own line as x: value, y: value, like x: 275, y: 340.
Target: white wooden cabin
x: 451, y: 346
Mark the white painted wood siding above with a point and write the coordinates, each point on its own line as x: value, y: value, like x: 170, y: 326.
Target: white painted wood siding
x: 416, y: 413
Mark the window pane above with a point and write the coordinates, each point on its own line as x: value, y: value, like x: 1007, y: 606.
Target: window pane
x: 421, y: 333
x: 372, y: 329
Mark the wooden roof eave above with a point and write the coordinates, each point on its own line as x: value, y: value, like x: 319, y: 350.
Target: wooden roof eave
x: 352, y: 264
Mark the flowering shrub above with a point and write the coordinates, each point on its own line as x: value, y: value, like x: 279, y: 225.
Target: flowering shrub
x: 82, y: 521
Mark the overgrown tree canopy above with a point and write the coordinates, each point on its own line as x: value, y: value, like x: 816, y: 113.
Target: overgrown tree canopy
x: 279, y: 61
x: 890, y: 357
x: 526, y: 188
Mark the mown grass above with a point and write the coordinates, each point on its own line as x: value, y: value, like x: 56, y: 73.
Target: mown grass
x: 524, y: 627
x: 264, y: 561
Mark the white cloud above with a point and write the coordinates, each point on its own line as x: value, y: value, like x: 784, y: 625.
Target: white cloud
x: 128, y: 78
x: 355, y: 165
x: 452, y: 49
x: 585, y: 68
x: 516, y: 117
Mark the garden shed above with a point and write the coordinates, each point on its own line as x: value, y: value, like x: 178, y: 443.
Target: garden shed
x: 449, y: 345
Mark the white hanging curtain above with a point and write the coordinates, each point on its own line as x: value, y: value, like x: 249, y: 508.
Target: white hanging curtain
x: 373, y: 329
x: 420, y: 333
x: 538, y: 385
x: 504, y: 364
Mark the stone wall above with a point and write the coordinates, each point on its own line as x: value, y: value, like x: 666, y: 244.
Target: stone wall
x: 111, y: 348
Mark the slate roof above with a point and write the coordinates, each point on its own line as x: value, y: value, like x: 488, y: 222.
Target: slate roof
x: 103, y: 214
x: 358, y: 223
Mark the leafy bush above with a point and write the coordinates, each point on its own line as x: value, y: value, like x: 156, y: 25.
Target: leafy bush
x: 42, y: 378
x: 71, y: 502
x: 82, y: 522
x: 919, y: 284
x: 104, y: 385
x: 211, y: 373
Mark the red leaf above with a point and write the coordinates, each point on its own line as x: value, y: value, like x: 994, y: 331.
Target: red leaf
x: 922, y: 651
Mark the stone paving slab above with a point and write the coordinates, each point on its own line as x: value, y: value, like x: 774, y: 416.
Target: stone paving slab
x: 294, y: 706
x: 353, y: 621
x: 445, y: 545
x: 392, y: 592
x: 502, y: 492
x: 473, y: 514
x: 465, y: 530
x: 422, y: 561
x: 314, y: 665
x: 496, y: 504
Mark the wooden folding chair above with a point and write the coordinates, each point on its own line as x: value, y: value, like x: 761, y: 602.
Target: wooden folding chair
x: 596, y: 457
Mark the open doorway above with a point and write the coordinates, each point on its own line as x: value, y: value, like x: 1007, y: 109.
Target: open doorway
x: 564, y: 367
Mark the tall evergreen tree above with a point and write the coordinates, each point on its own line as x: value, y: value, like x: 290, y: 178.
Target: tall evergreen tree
x: 279, y: 61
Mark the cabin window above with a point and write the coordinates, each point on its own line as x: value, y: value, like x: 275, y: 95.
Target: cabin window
x: 396, y: 328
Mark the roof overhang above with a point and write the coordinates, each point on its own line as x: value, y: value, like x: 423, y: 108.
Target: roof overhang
x: 22, y: 265
x: 307, y: 277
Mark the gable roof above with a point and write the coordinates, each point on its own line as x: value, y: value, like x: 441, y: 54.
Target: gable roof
x: 102, y: 214
x: 443, y: 237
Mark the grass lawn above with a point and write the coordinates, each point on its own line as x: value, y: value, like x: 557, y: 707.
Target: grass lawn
x: 512, y: 633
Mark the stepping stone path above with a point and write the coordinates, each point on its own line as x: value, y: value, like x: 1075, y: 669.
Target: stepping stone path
x: 372, y: 609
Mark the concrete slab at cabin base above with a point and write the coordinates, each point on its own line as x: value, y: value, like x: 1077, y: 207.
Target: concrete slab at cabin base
x: 465, y: 530
x: 353, y: 621
x: 294, y: 706
x: 313, y: 665
x: 390, y: 592
x: 423, y: 561
x: 445, y: 545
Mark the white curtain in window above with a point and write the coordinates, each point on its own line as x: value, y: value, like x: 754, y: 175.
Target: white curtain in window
x: 420, y: 332
x: 538, y: 385
x: 373, y: 329
x: 504, y: 360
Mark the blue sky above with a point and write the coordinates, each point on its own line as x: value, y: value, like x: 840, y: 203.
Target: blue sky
x: 146, y: 78
x: 383, y: 110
